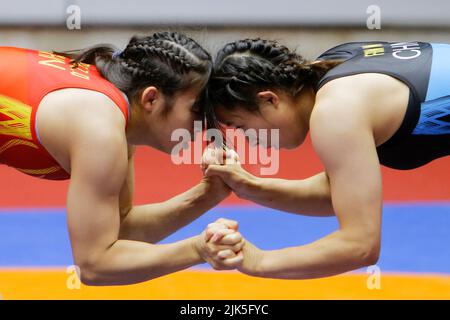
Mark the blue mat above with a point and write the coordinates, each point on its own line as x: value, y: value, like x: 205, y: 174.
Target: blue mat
x: 416, y: 237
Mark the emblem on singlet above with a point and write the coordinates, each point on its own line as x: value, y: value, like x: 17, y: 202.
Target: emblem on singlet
x: 400, y: 50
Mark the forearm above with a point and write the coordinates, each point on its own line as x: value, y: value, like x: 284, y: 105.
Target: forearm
x: 335, y: 254
x: 308, y: 197
x: 154, y: 222
x: 129, y: 262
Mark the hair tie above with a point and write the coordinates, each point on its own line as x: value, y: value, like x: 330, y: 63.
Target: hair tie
x: 116, y: 54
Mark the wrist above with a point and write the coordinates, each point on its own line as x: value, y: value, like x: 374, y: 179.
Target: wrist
x: 195, y: 243
x: 250, y: 188
x: 270, y: 265
x: 265, y: 261
x: 254, y: 258
x: 202, y: 196
x: 214, y: 189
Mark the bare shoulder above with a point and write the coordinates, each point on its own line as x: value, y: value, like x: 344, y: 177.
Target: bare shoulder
x: 96, y: 121
x: 89, y: 126
x: 98, y: 147
x: 362, y: 89
x: 372, y: 100
x: 341, y: 121
x: 340, y: 103
x: 81, y: 103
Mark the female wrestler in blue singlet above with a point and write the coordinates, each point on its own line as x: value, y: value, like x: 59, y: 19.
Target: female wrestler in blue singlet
x: 365, y: 104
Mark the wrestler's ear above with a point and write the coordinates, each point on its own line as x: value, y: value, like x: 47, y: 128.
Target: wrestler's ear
x: 268, y: 98
x: 150, y: 97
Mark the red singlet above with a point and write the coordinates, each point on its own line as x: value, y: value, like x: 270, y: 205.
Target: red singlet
x: 27, y: 76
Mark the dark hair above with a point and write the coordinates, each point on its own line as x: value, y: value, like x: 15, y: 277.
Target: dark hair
x: 244, y: 67
x: 171, y: 61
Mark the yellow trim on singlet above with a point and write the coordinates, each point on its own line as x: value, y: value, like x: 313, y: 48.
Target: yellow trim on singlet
x: 20, y: 114
x: 44, y: 171
x: 19, y: 126
x: 16, y: 142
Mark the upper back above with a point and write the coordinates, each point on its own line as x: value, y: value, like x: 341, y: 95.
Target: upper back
x: 409, y: 62
x: 28, y: 77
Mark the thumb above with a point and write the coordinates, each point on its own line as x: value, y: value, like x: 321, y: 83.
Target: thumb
x: 217, y: 170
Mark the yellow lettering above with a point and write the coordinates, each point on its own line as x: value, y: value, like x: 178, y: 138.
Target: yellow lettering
x: 371, y: 50
x: 79, y: 75
x: 53, y: 60
x: 59, y: 62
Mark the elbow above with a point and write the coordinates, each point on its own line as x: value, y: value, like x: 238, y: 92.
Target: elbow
x: 368, y: 254
x: 90, y: 277
x: 362, y: 248
x: 89, y: 274
x: 91, y: 280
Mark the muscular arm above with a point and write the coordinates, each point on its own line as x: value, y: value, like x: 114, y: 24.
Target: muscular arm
x: 154, y: 222
x: 343, y: 138
x: 127, y: 190
x: 94, y: 218
x: 309, y: 196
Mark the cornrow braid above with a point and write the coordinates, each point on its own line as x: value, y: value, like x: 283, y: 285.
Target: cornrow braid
x: 164, y: 50
x: 244, y: 67
x: 170, y: 61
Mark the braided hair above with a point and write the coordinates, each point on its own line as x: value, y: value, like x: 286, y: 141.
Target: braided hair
x: 244, y: 67
x: 170, y: 61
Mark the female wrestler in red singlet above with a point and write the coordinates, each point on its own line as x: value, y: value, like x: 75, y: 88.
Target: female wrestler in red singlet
x: 79, y: 116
